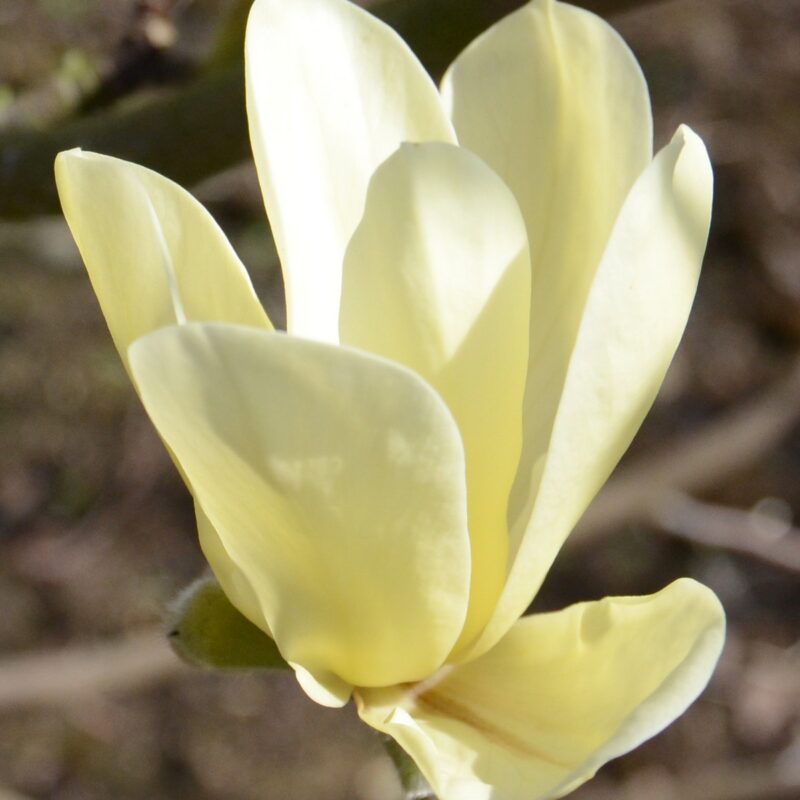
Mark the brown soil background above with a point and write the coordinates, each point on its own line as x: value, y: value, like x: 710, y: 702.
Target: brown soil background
x: 96, y: 530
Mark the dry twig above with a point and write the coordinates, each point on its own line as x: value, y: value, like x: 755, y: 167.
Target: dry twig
x: 61, y: 676
x: 731, y: 529
x: 697, y: 462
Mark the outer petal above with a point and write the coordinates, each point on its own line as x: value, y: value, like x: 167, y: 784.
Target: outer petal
x: 437, y: 277
x: 233, y: 580
x: 331, y: 92
x: 303, y: 457
x: 154, y: 255
x: 634, y: 319
x: 554, y: 101
x: 558, y: 696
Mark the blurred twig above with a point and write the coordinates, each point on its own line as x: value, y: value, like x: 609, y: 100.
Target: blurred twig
x: 698, y: 461
x: 187, y: 135
x: 62, y: 676
x: 8, y: 794
x: 725, y: 528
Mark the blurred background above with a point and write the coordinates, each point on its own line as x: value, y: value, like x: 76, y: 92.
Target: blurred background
x: 96, y: 529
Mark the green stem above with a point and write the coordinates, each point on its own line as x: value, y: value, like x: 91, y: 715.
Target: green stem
x: 414, y: 784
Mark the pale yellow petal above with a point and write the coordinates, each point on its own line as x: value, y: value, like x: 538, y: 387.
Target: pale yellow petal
x: 634, y: 319
x: 331, y: 92
x: 554, y: 101
x: 335, y: 481
x: 231, y: 577
x: 558, y: 696
x: 437, y: 277
x: 154, y: 255
x: 323, y: 687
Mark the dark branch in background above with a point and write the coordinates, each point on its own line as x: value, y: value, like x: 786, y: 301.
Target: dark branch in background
x: 199, y: 128
x: 189, y: 134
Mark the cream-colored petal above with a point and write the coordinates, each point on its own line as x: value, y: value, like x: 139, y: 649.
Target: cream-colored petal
x: 323, y: 686
x: 231, y: 577
x: 331, y: 92
x: 335, y: 481
x: 554, y: 101
x: 634, y: 319
x: 558, y: 696
x: 154, y: 255
x: 437, y: 277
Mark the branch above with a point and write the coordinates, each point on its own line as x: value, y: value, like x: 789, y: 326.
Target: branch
x: 697, y: 462
x: 53, y: 678
x: 200, y: 128
x: 730, y: 529
x: 187, y: 135
x: 10, y: 794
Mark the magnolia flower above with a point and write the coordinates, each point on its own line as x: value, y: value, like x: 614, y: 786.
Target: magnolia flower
x: 484, y: 284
